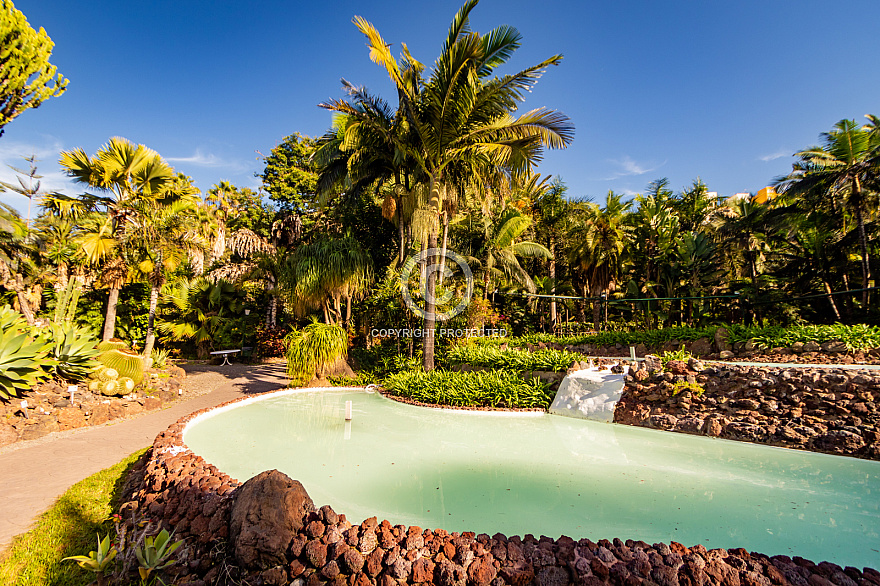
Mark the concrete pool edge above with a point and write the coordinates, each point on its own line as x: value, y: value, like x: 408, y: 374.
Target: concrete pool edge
x: 195, y: 499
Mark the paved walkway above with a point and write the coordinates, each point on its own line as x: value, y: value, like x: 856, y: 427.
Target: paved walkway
x: 35, y: 474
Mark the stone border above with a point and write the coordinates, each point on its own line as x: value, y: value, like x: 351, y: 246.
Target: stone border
x: 196, y: 500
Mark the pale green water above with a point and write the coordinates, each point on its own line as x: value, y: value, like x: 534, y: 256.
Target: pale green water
x: 550, y: 475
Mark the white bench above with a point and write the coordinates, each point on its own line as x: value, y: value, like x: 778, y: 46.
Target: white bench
x: 225, y: 354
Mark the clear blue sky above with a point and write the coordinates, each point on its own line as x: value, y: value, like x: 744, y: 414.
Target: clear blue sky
x: 721, y: 90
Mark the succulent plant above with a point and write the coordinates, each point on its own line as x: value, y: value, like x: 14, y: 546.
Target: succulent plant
x: 24, y: 359
x: 126, y: 385
x: 94, y: 386
x: 126, y: 362
x: 110, y: 388
x: 106, y: 373
x: 111, y: 344
x: 74, y: 349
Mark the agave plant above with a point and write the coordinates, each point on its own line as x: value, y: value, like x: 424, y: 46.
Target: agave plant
x: 24, y: 359
x: 74, y: 350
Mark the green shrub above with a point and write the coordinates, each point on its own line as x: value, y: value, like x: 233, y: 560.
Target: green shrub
x: 680, y: 354
x: 694, y: 388
x: 492, y: 388
x: 858, y: 337
x: 314, y: 348
x: 650, y: 338
x: 24, y: 358
x: 512, y: 359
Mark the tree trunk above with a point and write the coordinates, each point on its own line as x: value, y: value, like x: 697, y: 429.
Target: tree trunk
x: 110, y: 318
x: 24, y: 306
x: 553, y: 277
x: 863, y: 241
x: 443, y: 246
x: 151, y: 336
x: 430, y: 319
x: 831, y: 299
x: 220, y: 243
x: 401, y: 232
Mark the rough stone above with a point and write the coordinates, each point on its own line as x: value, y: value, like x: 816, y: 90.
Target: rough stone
x: 268, y: 511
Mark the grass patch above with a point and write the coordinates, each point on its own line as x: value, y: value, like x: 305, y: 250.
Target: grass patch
x: 68, y: 528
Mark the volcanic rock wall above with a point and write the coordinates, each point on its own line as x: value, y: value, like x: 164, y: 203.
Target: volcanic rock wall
x: 825, y: 410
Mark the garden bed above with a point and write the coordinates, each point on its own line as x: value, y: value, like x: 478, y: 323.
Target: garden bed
x: 49, y: 408
x: 268, y: 531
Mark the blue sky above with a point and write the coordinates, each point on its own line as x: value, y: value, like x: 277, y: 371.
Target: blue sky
x: 722, y: 90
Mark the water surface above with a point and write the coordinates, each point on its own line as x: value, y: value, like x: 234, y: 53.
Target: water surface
x: 550, y: 475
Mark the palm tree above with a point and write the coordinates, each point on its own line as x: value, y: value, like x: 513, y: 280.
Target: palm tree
x: 162, y: 239
x: 19, y: 272
x: 220, y: 198
x: 601, y: 239
x: 839, y: 170
x: 196, y: 309
x: 744, y: 226
x: 129, y: 173
x: 552, y: 212
x: 462, y: 117
x: 499, y: 255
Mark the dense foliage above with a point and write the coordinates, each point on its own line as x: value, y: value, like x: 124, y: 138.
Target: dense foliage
x: 28, y: 77
x: 493, y: 388
x: 511, y: 359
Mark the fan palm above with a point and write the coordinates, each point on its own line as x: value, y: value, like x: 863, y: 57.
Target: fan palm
x: 196, y: 309
x: 161, y: 240
x: 129, y: 173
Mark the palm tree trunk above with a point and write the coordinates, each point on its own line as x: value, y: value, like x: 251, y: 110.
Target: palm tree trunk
x: 443, y: 246
x: 110, y: 318
x: 553, y: 277
x: 401, y: 232
x: 430, y: 319
x: 863, y: 241
x: 151, y: 336
x: 831, y: 299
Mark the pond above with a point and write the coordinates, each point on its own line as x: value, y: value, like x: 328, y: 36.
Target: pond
x: 519, y: 473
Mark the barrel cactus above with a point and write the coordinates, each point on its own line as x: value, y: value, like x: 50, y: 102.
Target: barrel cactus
x: 126, y: 385
x: 126, y: 362
x: 111, y: 344
x: 106, y: 373
x: 110, y: 388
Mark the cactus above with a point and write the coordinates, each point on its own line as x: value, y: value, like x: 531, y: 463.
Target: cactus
x: 94, y: 386
x: 126, y: 362
x: 110, y: 388
x: 126, y: 385
x: 112, y: 344
x: 106, y: 373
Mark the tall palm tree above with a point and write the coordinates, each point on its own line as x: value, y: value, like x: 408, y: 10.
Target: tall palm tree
x: 839, y: 169
x: 601, y: 239
x: 162, y: 239
x: 462, y: 117
x: 128, y: 173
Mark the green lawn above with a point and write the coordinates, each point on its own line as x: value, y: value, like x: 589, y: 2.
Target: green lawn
x: 68, y: 528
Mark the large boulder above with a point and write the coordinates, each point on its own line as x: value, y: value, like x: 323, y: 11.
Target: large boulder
x: 701, y: 347
x: 721, y: 340
x: 268, y: 511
